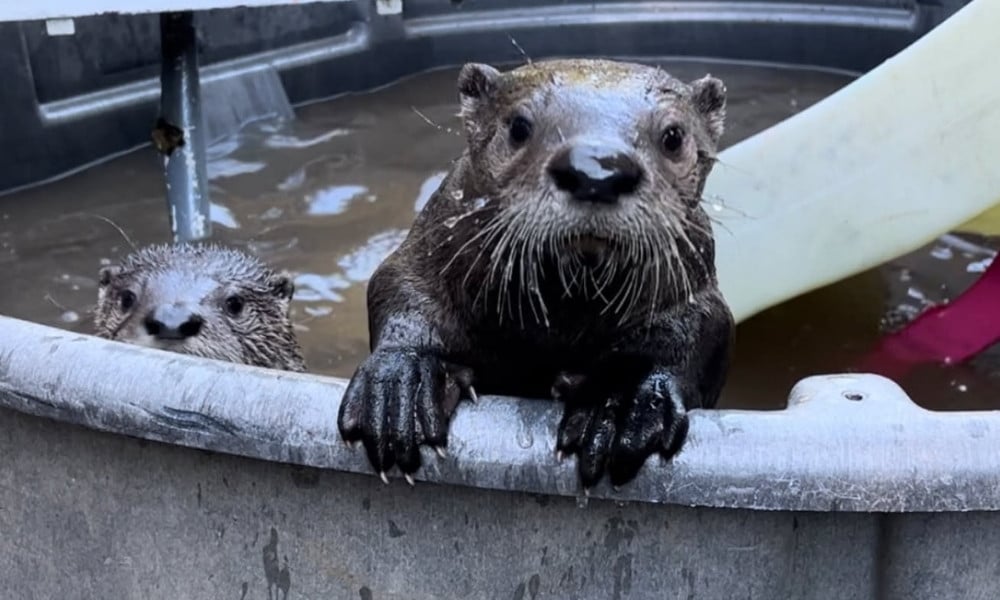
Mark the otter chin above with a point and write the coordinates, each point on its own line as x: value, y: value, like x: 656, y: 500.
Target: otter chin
x: 567, y: 254
x: 590, y: 249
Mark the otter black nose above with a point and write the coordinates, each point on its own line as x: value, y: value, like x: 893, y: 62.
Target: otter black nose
x: 170, y: 323
x: 592, y: 173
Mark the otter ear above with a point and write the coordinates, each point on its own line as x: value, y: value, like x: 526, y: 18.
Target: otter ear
x: 476, y: 83
x: 709, y: 97
x: 106, y: 274
x: 282, y: 285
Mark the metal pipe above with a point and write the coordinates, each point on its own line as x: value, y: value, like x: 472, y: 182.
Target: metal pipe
x: 180, y: 133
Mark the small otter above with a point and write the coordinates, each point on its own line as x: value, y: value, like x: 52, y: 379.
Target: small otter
x: 202, y: 300
x: 566, y: 253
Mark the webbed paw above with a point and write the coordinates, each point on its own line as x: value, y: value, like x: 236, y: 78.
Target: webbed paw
x: 616, y: 428
x: 398, y: 400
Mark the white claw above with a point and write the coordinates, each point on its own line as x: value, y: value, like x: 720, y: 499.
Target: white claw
x: 586, y: 492
x: 441, y: 451
x: 385, y: 479
x: 409, y: 479
x: 559, y: 456
x: 472, y: 394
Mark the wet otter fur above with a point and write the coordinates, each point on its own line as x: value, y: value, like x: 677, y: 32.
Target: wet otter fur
x: 200, y: 299
x: 566, y: 254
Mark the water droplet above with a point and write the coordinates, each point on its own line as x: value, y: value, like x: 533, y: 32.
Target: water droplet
x: 962, y: 387
x: 717, y: 207
x: 457, y: 194
x: 524, y: 438
x: 450, y: 222
x: 105, y: 262
x: 69, y: 316
x: 479, y: 203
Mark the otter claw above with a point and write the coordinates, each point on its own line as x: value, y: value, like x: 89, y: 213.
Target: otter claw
x: 613, y: 427
x: 398, y: 400
x: 560, y: 456
x: 409, y: 479
x: 383, y: 477
x: 441, y: 451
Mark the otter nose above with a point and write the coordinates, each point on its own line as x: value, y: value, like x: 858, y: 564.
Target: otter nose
x: 172, y: 323
x: 594, y: 173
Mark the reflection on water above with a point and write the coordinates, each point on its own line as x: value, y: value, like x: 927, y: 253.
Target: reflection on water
x: 330, y: 194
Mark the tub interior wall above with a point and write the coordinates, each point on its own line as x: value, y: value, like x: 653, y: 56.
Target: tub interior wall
x: 53, y: 127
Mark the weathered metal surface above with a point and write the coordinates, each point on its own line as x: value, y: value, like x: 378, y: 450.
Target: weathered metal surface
x: 91, y: 514
x: 845, y: 443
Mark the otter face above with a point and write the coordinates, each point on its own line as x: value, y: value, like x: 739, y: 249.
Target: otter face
x: 198, y: 300
x: 603, y: 161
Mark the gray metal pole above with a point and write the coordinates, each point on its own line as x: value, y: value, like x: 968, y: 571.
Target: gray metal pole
x: 180, y: 134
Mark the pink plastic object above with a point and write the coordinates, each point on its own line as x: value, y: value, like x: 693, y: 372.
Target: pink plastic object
x: 948, y: 334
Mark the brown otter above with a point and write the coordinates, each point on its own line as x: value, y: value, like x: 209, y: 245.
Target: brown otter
x: 203, y: 300
x: 566, y: 253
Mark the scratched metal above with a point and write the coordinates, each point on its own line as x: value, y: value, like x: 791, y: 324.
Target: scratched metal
x: 845, y: 442
x: 87, y: 512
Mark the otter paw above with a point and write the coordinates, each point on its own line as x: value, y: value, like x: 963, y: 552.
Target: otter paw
x: 616, y: 430
x: 398, y: 400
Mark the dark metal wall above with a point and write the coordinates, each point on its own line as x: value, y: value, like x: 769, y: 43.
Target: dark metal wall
x: 68, y: 101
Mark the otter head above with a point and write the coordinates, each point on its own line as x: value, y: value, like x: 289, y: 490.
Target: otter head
x: 603, y: 161
x: 201, y: 300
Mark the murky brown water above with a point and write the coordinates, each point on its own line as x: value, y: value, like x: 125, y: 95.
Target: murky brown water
x: 329, y: 195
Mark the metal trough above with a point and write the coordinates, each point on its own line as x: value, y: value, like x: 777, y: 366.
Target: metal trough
x: 134, y: 473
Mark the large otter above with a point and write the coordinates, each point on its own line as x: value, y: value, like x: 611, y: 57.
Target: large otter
x: 567, y: 253
x: 203, y: 300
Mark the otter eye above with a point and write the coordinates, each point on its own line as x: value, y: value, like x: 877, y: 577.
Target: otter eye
x: 234, y: 305
x: 673, y: 139
x: 520, y: 130
x: 127, y: 300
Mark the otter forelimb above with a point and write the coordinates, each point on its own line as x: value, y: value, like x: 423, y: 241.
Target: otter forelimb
x: 633, y: 402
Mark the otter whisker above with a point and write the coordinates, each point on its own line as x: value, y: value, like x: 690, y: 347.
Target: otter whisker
x: 121, y: 231
x: 488, y: 243
x: 524, y: 54
x: 495, y: 225
x: 482, y: 232
x: 433, y: 124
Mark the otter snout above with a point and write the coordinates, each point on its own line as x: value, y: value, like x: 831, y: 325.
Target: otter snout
x: 172, y: 323
x: 592, y: 172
